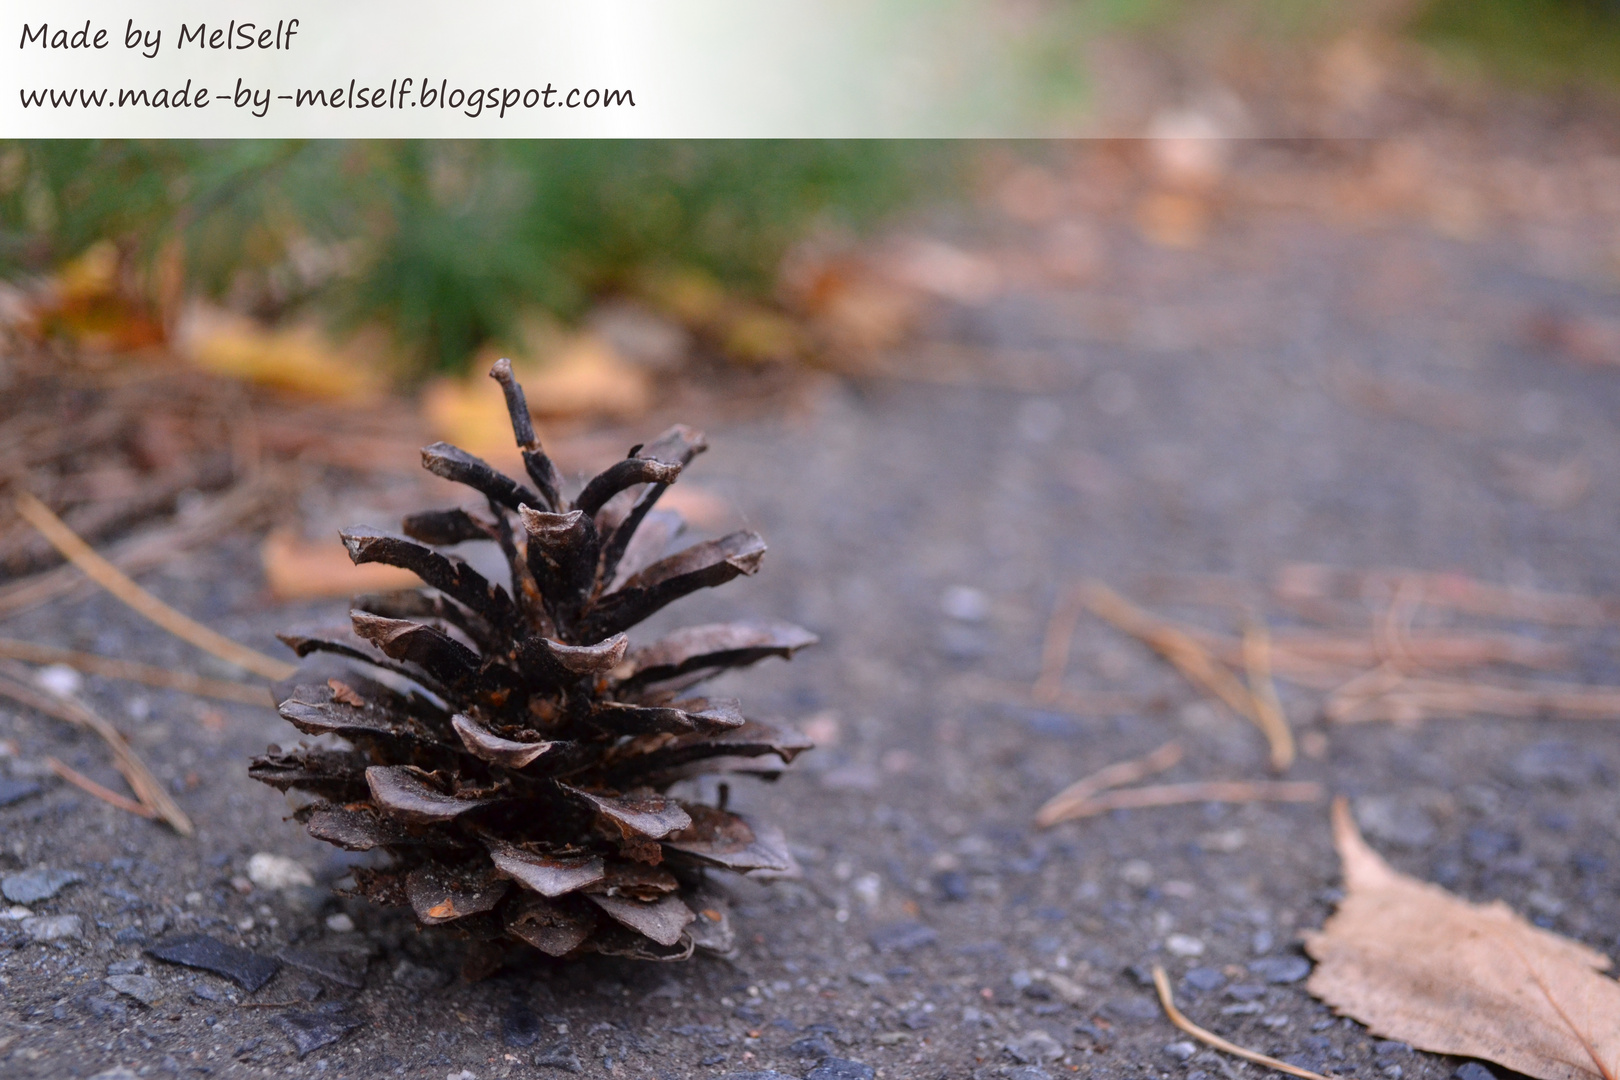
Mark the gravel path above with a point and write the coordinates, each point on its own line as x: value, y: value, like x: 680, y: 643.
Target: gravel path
x: 1290, y: 391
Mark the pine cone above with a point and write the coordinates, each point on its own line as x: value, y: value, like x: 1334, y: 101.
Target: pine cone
x: 506, y: 745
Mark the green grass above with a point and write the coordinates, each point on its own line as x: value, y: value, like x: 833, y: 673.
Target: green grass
x: 446, y: 243
x: 1541, y: 43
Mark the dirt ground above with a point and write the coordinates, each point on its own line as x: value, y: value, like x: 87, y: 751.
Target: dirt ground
x: 1286, y: 386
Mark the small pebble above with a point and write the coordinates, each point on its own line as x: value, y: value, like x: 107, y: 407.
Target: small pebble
x: 1281, y: 969
x: 1184, y: 945
x: 1181, y: 1051
x: 53, y: 927
x: 269, y: 871
x: 339, y: 923
x: 143, y: 988
x: 841, y: 1069
x: 40, y: 883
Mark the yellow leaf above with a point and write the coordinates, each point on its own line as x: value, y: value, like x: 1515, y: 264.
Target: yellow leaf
x: 301, y: 358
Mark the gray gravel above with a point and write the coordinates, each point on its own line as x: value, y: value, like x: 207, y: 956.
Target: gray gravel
x: 925, y: 531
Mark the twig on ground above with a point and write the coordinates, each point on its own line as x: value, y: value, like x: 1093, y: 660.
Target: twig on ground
x: 1161, y: 983
x: 106, y: 795
x: 14, y: 685
x: 1268, y: 710
x: 1312, y: 582
x: 114, y: 668
x: 1055, y: 649
x: 1223, y: 791
x: 1078, y: 794
x: 112, y: 579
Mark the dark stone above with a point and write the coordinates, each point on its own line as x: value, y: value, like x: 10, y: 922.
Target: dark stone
x: 40, y: 883
x: 13, y: 791
x: 247, y: 969
x: 1132, y: 1009
x: 749, y: 1015
x: 833, y: 1068
x: 1206, y: 978
x: 1281, y: 969
x: 520, y: 1026
x: 917, y: 1020
x: 315, y: 1028
x: 343, y: 968
x: 814, y: 1047
x: 952, y: 885
x: 129, y: 935
x: 559, y: 1055
x: 1386, y: 1047
x: 126, y: 967
x: 1245, y: 992
x: 1473, y: 1070
x: 903, y: 937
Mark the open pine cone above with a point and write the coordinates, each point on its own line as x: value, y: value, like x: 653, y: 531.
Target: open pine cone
x: 505, y: 744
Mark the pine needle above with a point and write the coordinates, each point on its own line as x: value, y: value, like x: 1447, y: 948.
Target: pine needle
x: 1190, y: 658
x: 13, y: 685
x: 1161, y: 983
x: 109, y: 577
x: 106, y: 795
x: 1062, y: 806
x: 1220, y: 791
x: 1055, y: 650
x: 1268, y: 711
x: 113, y: 668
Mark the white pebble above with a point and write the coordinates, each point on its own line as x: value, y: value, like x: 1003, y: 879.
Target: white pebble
x: 1183, y: 945
x: 269, y: 871
x: 59, y: 679
x: 340, y: 923
x: 965, y: 603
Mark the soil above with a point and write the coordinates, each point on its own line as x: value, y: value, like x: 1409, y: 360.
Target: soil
x: 1289, y: 389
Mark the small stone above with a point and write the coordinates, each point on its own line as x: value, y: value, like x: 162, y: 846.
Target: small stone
x: 1395, y: 821
x: 1393, y: 1072
x: 1137, y: 873
x: 812, y: 1048
x: 1386, y: 1047
x: 270, y: 871
x: 317, y: 1027
x: 15, y: 791
x: 143, y: 988
x: 53, y: 927
x: 1205, y: 978
x: 59, y: 679
x: 1183, y: 945
x: 1131, y: 1009
x: 40, y: 883
x: 1473, y: 1070
x: 759, y: 1074
x: 340, y: 966
x: 1027, y: 1072
x: 117, y: 1072
x: 952, y: 885
x: 340, y: 923
x: 16, y: 914
x: 965, y: 603
x: 1486, y: 845
x: 1034, y: 1047
x: 833, y: 1068
x: 417, y: 977
x: 1181, y: 1051
x: 247, y: 969
x: 903, y: 937
x: 1281, y: 969
x: 126, y: 967
x: 559, y: 1055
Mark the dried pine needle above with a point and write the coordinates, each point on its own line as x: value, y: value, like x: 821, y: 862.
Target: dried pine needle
x: 106, y: 795
x: 1055, y: 649
x: 109, y: 577
x: 1268, y: 711
x: 1078, y: 795
x: 113, y: 668
x: 1217, y: 791
x: 1161, y: 983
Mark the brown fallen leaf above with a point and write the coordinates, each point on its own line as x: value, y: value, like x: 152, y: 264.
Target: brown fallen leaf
x: 297, y: 569
x: 1414, y: 963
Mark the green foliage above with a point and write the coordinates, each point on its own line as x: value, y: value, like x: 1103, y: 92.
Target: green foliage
x: 444, y: 242
x: 1541, y: 42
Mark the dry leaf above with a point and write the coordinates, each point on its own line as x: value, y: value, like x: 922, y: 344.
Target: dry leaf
x: 299, y: 358
x: 1414, y: 963
x: 296, y: 569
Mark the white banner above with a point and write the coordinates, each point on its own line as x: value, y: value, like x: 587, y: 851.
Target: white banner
x: 538, y: 68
